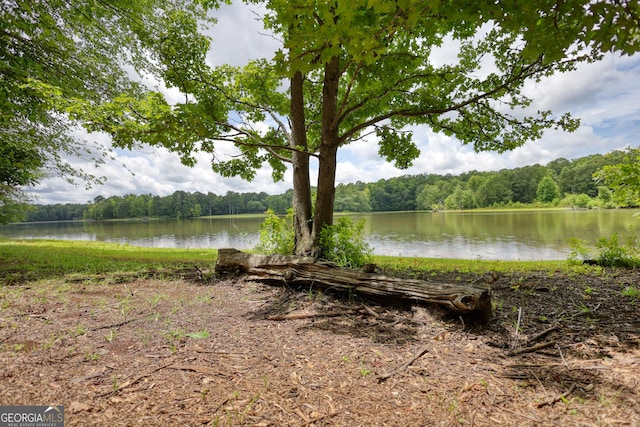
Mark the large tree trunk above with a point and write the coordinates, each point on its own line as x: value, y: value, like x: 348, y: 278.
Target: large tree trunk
x: 302, y: 220
x: 473, y: 301
x: 325, y: 197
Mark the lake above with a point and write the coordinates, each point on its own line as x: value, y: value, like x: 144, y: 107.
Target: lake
x: 512, y: 235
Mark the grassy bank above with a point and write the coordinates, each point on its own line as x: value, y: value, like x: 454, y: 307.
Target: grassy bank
x: 22, y: 260
x: 41, y: 259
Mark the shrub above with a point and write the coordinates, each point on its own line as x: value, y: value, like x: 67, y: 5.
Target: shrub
x: 276, y: 234
x: 611, y: 253
x: 344, y: 244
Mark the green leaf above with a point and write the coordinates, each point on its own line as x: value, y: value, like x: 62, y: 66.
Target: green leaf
x: 198, y: 335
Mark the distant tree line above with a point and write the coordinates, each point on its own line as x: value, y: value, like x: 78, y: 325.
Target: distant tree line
x: 562, y: 182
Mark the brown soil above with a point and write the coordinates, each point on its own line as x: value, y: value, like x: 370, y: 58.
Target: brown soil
x: 185, y: 352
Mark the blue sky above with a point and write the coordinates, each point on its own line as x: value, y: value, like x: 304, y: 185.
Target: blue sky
x: 604, y: 95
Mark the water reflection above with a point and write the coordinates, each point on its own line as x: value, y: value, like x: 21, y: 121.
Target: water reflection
x: 524, y: 235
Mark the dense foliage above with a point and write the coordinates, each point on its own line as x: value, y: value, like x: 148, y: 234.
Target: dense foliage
x: 538, y: 185
x: 89, y: 50
x: 623, y: 178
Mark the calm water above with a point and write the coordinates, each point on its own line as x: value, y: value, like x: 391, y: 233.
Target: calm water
x: 524, y: 235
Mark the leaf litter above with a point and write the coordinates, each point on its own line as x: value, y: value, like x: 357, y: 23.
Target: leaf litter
x: 561, y: 349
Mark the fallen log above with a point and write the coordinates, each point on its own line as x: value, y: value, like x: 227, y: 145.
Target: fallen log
x: 304, y: 272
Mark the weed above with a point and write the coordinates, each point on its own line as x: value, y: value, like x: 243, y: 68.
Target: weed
x: 174, y: 334
x: 276, y: 234
x: 198, y: 335
x: 91, y: 356
x: 610, y: 252
x: 110, y: 336
x: 583, y: 308
x: 50, y: 342
x: 344, y: 244
x: 608, y: 401
x: 631, y: 291
x: 156, y: 299
x: 364, y: 371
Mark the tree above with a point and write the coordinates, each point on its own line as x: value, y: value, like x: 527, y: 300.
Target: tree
x: 460, y: 199
x: 623, y: 178
x: 362, y: 68
x: 57, y: 49
x: 19, y: 165
x: 548, y: 190
x: 496, y: 190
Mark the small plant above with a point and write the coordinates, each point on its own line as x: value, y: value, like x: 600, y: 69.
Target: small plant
x: 614, y: 255
x: 631, y: 291
x: 276, y: 234
x: 364, y: 371
x: 110, y: 336
x: 611, y: 253
x: 174, y: 334
x: 198, y: 335
x: 89, y: 356
x: 344, y: 244
x: 115, y: 383
x: 583, y: 308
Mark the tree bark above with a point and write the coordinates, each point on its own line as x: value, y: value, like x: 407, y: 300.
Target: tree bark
x: 325, y: 197
x: 470, y: 300
x: 302, y: 220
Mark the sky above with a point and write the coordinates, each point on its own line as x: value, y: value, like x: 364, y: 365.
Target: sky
x: 604, y: 95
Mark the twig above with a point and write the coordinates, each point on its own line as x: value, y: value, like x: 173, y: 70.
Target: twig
x: 532, y: 348
x: 311, y: 421
x: 542, y: 334
x: 203, y: 369
x: 117, y: 325
x: 224, y: 402
x: 405, y: 365
x: 517, y: 333
x: 135, y: 381
x: 558, y: 398
x: 520, y: 414
x: 564, y: 362
x: 371, y: 311
x: 294, y: 316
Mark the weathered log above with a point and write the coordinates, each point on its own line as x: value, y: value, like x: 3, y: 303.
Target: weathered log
x: 471, y: 300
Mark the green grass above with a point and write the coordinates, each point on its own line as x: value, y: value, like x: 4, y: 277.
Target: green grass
x: 40, y: 259
x: 25, y: 260
x: 468, y: 265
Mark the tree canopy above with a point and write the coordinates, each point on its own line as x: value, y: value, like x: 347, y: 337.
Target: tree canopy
x: 623, y: 178
x: 85, y: 49
x: 350, y: 70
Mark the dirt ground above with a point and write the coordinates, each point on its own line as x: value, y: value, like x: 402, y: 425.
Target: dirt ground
x: 561, y: 350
